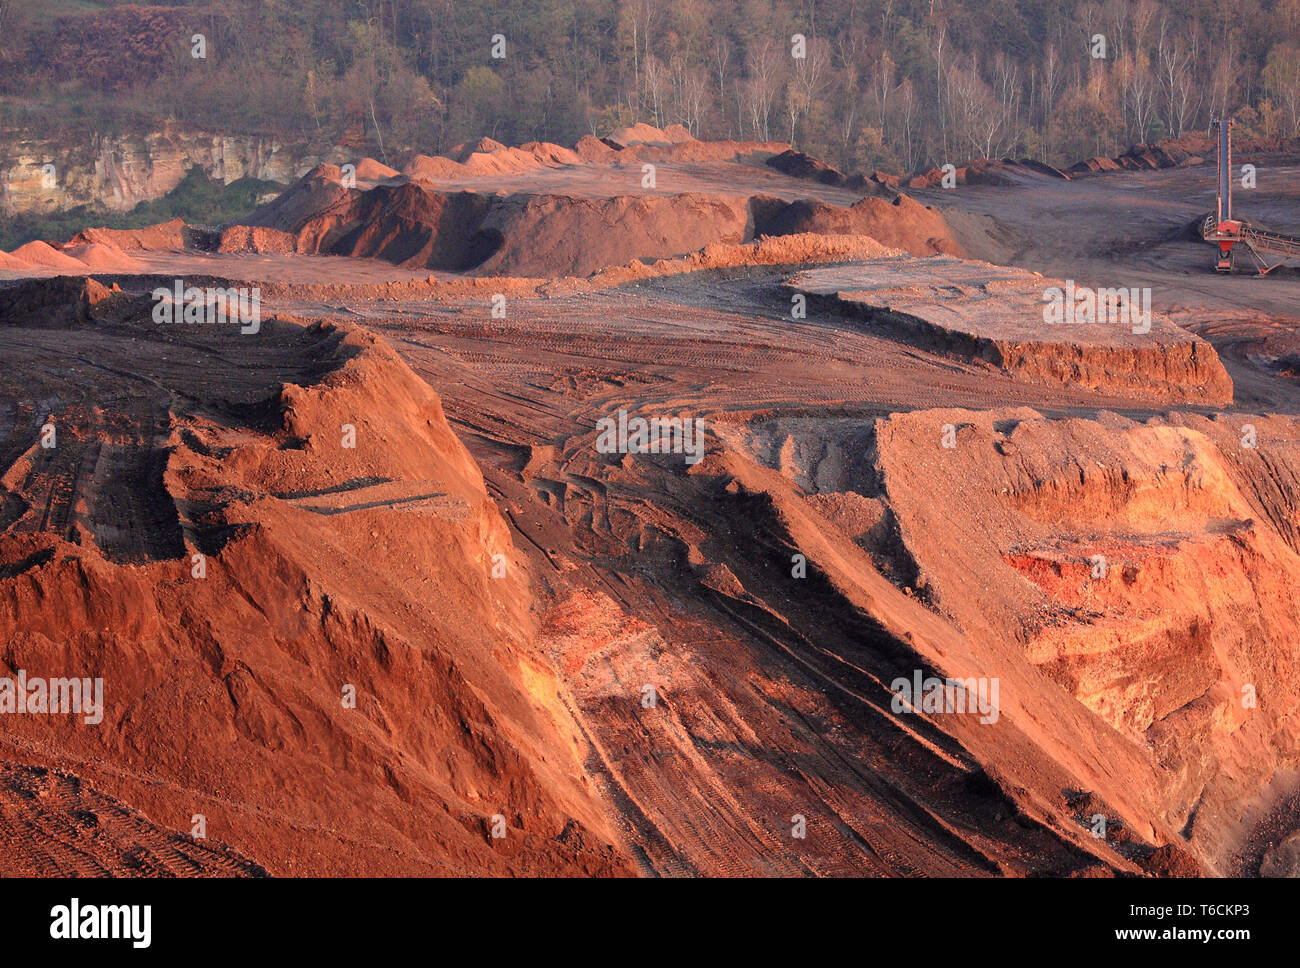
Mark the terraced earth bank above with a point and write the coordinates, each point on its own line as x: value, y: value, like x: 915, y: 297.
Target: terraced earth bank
x: 375, y: 589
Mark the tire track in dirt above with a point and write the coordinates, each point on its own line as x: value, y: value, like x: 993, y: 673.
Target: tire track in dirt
x: 54, y: 824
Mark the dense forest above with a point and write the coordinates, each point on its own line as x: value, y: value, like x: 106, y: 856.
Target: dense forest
x: 899, y: 84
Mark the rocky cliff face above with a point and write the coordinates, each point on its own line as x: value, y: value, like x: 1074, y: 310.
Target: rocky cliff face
x: 118, y: 172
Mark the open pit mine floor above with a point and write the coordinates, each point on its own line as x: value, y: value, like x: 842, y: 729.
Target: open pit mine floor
x: 569, y: 660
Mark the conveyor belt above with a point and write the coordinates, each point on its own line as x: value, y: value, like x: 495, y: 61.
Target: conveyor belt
x: 1271, y: 242
x: 1259, y: 243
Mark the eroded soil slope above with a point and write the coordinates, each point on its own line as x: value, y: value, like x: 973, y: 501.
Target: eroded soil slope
x: 203, y: 537
x: 1146, y: 568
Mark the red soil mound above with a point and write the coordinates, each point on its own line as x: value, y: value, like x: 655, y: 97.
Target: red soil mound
x: 58, y: 303
x: 41, y: 255
x: 592, y: 149
x: 704, y: 151
x: 551, y: 155
x: 978, y: 171
x: 640, y: 134
x: 903, y: 223
x: 514, y: 235
x: 248, y: 238
x: 993, y: 315
x: 368, y: 169
x: 432, y: 169
x: 165, y: 236
x: 558, y: 235
x: 380, y: 571
x: 499, y: 162
x: 768, y: 251
x: 796, y: 164
x: 404, y: 224
x: 102, y: 257
x: 318, y: 197
x: 462, y: 153
x: 488, y: 157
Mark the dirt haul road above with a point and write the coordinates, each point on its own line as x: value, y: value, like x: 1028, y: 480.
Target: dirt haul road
x: 678, y: 662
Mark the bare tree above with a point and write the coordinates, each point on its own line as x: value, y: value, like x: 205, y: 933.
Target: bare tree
x: 637, y: 18
x: 810, y: 70
x: 1175, y: 74
x: 808, y: 81
x: 1114, y: 16
x: 1006, y: 75
x: 655, y: 82
x: 764, y: 69
x: 690, y: 87
x: 1282, y: 80
x: 721, y: 57
x: 848, y: 107
x: 882, y: 86
x: 977, y: 118
x: 887, y: 21
x: 907, y: 107
x: 795, y: 106
x: 1225, y: 81
x: 1049, y: 89
x: 1138, y: 93
x: 940, y: 39
x: 1142, y: 15
x: 851, y: 46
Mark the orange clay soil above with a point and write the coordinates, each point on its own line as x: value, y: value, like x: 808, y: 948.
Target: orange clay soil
x: 632, y: 663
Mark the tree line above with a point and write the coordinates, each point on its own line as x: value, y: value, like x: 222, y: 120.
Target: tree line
x: 894, y: 84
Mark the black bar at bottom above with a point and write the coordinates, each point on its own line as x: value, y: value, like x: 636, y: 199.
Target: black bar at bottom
x: 330, y: 918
